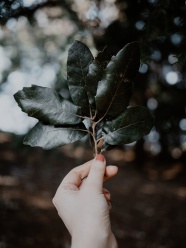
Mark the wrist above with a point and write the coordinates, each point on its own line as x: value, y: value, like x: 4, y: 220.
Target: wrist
x: 94, y: 239
x: 112, y: 241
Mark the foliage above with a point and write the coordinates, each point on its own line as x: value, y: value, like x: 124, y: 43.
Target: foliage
x: 50, y: 26
x: 100, y: 98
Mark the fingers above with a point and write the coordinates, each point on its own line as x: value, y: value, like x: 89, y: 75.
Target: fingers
x: 74, y: 178
x: 96, y: 174
x: 108, y: 198
x: 107, y: 194
x: 110, y: 172
x: 95, y: 170
x: 110, y: 206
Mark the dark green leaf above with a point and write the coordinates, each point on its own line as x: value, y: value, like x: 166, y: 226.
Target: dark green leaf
x: 115, y: 89
x: 103, y: 58
x: 47, y: 105
x: 130, y: 126
x: 49, y: 137
x: 107, y: 147
x: 79, y: 59
x: 94, y: 76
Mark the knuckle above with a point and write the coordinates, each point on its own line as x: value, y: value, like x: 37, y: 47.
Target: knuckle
x: 53, y: 201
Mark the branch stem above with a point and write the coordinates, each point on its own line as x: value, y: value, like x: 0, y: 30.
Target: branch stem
x: 99, y: 139
x: 94, y: 137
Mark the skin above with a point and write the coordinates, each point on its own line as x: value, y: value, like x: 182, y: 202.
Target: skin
x: 84, y: 205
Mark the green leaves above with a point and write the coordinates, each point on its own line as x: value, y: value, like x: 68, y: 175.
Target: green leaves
x: 79, y: 59
x: 115, y: 89
x: 100, y: 90
x: 58, y: 117
x: 130, y: 126
x: 48, y: 136
x: 47, y: 105
x: 92, y: 79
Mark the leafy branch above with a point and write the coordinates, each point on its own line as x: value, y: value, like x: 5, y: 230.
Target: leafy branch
x: 100, y: 89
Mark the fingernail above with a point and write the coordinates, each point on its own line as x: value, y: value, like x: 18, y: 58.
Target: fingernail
x: 100, y: 157
x: 106, y: 191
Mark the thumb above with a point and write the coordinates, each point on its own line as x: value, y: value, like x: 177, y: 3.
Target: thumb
x: 96, y: 174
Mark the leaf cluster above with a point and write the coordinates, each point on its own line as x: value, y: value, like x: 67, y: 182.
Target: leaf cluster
x: 100, y: 90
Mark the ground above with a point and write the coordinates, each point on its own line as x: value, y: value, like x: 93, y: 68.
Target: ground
x: 148, y: 205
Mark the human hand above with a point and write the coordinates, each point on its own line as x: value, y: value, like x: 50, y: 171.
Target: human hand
x: 84, y: 205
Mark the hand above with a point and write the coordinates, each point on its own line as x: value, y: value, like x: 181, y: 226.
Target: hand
x: 84, y: 205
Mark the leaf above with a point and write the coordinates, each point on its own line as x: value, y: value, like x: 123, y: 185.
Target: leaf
x: 49, y: 137
x: 103, y: 57
x: 79, y: 59
x: 115, y: 89
x: 106, y: 147
x: 47, y: 105
x: 100, y: 91
x: 94, y: 76
x: 130, y: 126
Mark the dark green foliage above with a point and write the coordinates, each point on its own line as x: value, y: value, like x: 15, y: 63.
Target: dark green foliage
x: 47, y: 105
x: 115, y: 89
x: 130, y: 126
x: 100, y: 91
x: 79, y: 59
x: 48, y: 136
x: 103, y: 58
x: 94, y: 76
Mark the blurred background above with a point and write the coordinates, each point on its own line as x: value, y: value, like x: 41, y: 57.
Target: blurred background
x: 149, y: 192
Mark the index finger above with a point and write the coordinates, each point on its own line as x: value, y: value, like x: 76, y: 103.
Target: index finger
x: 74, y: 178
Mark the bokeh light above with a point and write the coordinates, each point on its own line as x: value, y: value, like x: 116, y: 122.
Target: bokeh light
x: 172, y: 77
x: 182, y: 124
x: 152, y: 103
